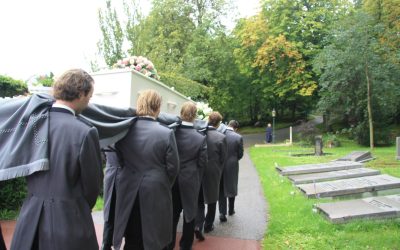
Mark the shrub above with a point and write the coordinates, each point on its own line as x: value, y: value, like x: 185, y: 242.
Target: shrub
x: 187, y: 87
x: 12, y: 193
x: 306, y: 133
x: 10, y: 87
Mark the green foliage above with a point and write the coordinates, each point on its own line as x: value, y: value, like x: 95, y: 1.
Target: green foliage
x: 293, y: 225
x: 45, y: 80
x: 10, y: 87
x: 331, y: 140
x: 12, y: 193
x: 190, y: 88
x: 110, y: 46
x: 355, y: 53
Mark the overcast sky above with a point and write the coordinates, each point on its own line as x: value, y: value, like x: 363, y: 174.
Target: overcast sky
x: 54, y: 35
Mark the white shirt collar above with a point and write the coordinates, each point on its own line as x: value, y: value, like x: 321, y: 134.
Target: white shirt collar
x: 58, y: 105
x: 229, y: 128
x: 187, y: 123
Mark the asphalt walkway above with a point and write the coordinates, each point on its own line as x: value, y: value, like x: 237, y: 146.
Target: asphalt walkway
x: 244, y: 230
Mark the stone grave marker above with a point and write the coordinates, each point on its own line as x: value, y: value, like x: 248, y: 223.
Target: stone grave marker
x: 367, y: 208
x: 318, y: 145
x: 350, y: 186
x: 319, y: 167
x: 360, y: 156
x: 398, y: 148
x: 332, y: 175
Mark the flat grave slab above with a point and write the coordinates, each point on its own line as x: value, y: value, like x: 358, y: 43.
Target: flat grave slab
x: 332, y: 175
x: 350, y: 186
x: 319, y: 167
x: 359, y: 156
x: 368, y: 208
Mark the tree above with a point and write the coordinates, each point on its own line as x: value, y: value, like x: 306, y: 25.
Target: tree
x: 135, y: 27
x: 356, y: 79
x: 110, y: 46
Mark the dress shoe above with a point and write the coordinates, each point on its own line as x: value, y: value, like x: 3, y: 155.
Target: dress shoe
x: 222, y: 218
x: 199, y: 235
x: 208, y: 229
x: 231, y: 212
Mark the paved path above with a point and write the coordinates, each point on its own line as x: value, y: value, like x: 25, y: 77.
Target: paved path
x: 244, y: 230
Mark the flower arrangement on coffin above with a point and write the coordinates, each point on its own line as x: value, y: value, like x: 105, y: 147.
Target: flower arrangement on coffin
x: 203, y: 110
x: 140, y: 64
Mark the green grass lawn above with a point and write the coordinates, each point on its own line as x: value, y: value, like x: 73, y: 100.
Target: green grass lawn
x: 293, y: 225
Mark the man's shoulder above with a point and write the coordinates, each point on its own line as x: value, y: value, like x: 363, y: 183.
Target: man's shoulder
x: 85, y: 122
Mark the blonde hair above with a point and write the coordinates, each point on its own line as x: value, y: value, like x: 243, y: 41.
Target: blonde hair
x: 214, y: 118
x: 148, y: 103
x: 188, y: 112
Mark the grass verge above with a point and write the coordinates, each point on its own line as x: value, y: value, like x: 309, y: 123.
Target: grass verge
x: 293, y: 225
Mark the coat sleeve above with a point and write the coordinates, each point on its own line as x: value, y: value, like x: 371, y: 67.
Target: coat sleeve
x: 203, y: 155
x: 240, y: 151
x: 91, y: 169
x: 172, y: 159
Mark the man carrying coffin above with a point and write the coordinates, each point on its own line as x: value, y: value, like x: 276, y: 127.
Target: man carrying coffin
x: 217, y: 152
x: 57, y: 211
x: 230, y: 176
x: 192, y: 148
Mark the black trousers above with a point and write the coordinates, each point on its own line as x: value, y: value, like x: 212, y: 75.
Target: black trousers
x: 222, y: 200
x: 207, y: 220
x: 133, y: 231
x: 108, y: 231
x: 199, y: 221
x: 188, y: 227
x: 2, y: 243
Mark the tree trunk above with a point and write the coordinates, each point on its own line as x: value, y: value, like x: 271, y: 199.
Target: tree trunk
x: 370, y: 120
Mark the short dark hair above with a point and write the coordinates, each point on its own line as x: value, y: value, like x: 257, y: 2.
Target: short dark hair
x: 71, y: 84
x: 233, y: 124
x: 214, y: 118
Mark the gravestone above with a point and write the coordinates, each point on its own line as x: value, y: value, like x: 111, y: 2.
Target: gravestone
x: 367, y: 208
x: 360, y: 156
x: 332, y: 175
x: 350, y: 186
x: 318, y: 168
x: 318, y: 145
x: 398, y: 148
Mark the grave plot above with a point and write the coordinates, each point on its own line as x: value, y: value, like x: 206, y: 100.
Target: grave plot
x: 368, y: 208
x: 318, y: 168
x: 359, y: 156
x: 350, y: 186
x: 332, y: 175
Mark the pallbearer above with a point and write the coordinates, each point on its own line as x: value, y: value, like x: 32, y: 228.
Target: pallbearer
x: 149, y: 165
x: 230, y: 176
x: 209, y: 193
x: 192, y: 148
x: 57, y: 212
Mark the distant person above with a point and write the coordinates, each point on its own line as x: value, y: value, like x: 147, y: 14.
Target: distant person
x: 149, y: 165
x: 57, y: 211
x: 230, y: 175
x: 192, y: 147
x: 268, y: 133
x: 2, y: 243
x: 209, y: 193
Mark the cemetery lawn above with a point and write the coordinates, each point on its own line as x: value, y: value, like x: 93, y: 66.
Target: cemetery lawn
x: 291, y: 222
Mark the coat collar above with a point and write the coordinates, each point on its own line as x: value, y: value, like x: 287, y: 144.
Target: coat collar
x: 61, y: 110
